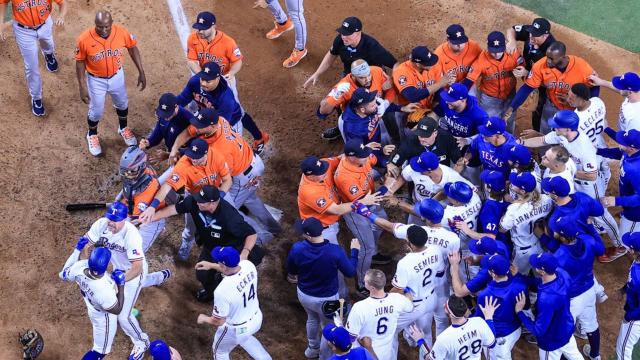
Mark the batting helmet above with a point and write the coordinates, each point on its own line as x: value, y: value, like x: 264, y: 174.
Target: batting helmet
x: 99, y: 260
x: 429, y: 209
x: 459, y: 191
x: 159, y: 350
x: 117, y: 211
x: 133, y: 162
x: 565, y: 119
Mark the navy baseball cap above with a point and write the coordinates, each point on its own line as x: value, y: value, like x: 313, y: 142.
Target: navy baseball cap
x: 523, y: 180
x: 519, y: 154
x: 492, y: 126
x: 556, y: 185
x: 629, y: 138
x: 566, y: 226
x: 483, y: 246
x: 496, y: 42
x: 498, y: 264
x: 338, y: 336
x: 426, y: 126
x: 422, y: 55
x: 565, y: 119
x: 362, y: 96
x: 226, y: 255
x: 312, y: 165
x: 204, y: 117
x: 427, y: 161
x: 545, y: 261
x: 309, y: 226
x: 207, y: 194
x: 210, y: 71
x: 349, y: 26
x: 493, y: 179
x: 429, y: 209
x: 540, y: 26
x: 355, y: 147
x: 196, y: 149
x: 456, y: 92
x: 166, y: 105
x: 628, y: 81
x: 204, y: 21
x: 456, y: 35
x: 632, y: 241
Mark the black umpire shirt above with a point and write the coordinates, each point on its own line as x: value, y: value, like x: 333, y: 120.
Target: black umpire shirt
x: 530, y: 53
x: 369, y: 49
x: 445, y: 147
x: 224, y: 227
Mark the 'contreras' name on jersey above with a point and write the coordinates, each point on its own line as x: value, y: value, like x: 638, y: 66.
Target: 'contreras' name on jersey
x: 425, y: 263
x: 443, y: 243
x: 535, y: 212
x: 107, y: 53
x: 245, y: 281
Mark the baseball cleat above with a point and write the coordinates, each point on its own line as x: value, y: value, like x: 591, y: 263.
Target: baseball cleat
x: 379, y: 259
x: 166, y: 275
x: 37, y: 108
x: 612, y: 253
x: 292, y: 279
x: 601, y: 297
x: 94, y: 144
x: 279, y: 29
x: 586, y: 351
x: 51, y: 62
x: 138, y: 352
x: 310, y: 353
x: 128, y: 136
x: 294, y: 58
x: 260, y: 145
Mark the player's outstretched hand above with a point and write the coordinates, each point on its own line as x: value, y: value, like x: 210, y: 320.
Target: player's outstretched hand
x: 206, y: 265
x: 147, y: 215
x: 118, y: 277
x: 520, y: 71
x: 489, y: 308
x: 372, y: 199
x: 203, y: 319
x: 415, y: 332
x: 520, y: 302
x: 409, y: 108
x: 374, y: 145
x: 462, y: 226
x: 82, y: 242
x: 454, y: 259
x: 313, y: 79
x: 510, y: 47
x: 388, y: 149
x: 355, y: 244
x: 529, y: 133
x: 59, y: 21
x: 595, y: 80
x: 393, y: 170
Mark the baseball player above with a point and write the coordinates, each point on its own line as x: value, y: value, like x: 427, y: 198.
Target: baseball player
x: 236, y: 310
x: 520, y: 160
x: 492, y: 147
x: 211, y: 90
x: 553, y: 326
x: 341, y: 344
x: 103, y: 294
x: 295, y: 20
x: 630, y: 326
x: 457, y: 54
x: 377, y: 316
x: 463, y: 205
x: 159, y: 350
x: 558, y: 162
x: 99, y: 70
x: 627, y: 85
x: 33, y: 30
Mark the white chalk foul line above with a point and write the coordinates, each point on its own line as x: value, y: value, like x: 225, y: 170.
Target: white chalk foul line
x: 180, y: 22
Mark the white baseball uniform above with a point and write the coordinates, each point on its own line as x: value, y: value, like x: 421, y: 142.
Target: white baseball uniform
x: 464, y: 341
x: 593, y: 121
x: 425, y: 188
x: 469, y: 214
x: 126, y: 247
x: 629, y: 117
x: 236, y: 300
x: 569, y: 174
x: 583, y: 310
x: 378, y: 319
x: 100, y: 294
x: 519, y: 220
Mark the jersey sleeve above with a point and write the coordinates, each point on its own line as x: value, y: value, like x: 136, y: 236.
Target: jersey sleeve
x: 401, y: 278
x: 551, y: 138
x: 336, y: 96
x: 134, y: 245
x: 400, y: 231
x: 318, y: 202
x: 106, y: 298
x: 407, y: 173
x: 534, y: 79
x: 402, y: 79
x: 177, y: 180
x: 406, y: 305
x: 130, y: 40
x: 589, y: 160
x: 488, y: 338
x: 80, y: 52
x: 94, y: 232
x: 439, y: 350
x: 354, y: 321
x: 507, y: 221
x: 475, y: 71
x: 192, y: 44
x: 233, y: 51
x: 221, y: 307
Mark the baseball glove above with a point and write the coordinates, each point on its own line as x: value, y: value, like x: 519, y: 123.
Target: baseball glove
x: 531, y: 103
x: 330, y: 307
x: 32, y: 344
x: 416, y: 116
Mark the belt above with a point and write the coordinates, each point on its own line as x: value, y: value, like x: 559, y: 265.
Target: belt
x: 29, y: 27
x: 103, y: 77
x: 244, y: 322
x: 583, y: 182
x: 247, y: 171
x: 431, y: 293
x: 525, y: 247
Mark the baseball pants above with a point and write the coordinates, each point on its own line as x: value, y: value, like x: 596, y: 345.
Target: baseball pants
x: 295, y: 9
x: 583, y: 310
x: 152, y: 279
x: 99, y: 88
x: 316, y: 321
x: 104, y: 326
x: 627, y: 339
x: 626, y: 225
x: 368, y: 235
x: 443, y: 290
x: 128, y: 322
x: 29, y: 42
x: 150, y: 232
x: 228, y: 336
x: 418, y: 316
x: 497, y: 107
x: 569, y: 351
x: 521, y: 256
x: 504, y: 345
x: 606, y: 222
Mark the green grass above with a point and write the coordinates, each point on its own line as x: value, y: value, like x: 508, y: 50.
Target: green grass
x: 614, y: 21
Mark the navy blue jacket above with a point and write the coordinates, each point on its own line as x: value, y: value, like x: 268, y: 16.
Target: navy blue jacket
x: 169, y: 130
x: 221, y: 99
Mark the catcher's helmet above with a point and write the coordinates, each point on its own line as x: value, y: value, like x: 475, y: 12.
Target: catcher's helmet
x: 159, y: 350
x: 565, y: 119
x: 133, y: 162
x: 459, y: 191
x: 429, y: 209
x: 99, y: 260
x: 117, y: 211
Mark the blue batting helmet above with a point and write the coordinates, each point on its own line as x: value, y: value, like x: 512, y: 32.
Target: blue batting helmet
x: 459, y: 190
x: 159, y: 350
x: 99, y: 260
x: 565, y: 119
x: 429, y: 209
x: 116, y: 212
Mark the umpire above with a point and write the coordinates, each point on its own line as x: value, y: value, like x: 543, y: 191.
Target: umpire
x: 316, y: 262
x: 218, y: 223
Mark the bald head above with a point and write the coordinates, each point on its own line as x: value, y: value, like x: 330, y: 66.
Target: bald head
x: 103, y: 23
x: 558, y: 48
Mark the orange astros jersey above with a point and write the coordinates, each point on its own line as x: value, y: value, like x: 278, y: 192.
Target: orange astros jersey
x: 354, y: 182
x: 232, y: 146
x: 193, y: 178
x: 141, y: 200
x: 337, y: 98
x: 459, y: 63
x: 104, y: 57
x: 222, y: 50
x: 559, y: 83
x: 30, y: 13
x: 497, y: 79
x: 314, y: 198
x: 406, y: 75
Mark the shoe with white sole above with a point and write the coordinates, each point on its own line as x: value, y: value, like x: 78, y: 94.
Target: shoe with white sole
x: 166, y: 275
x: 128, y: 136
x: 37, y: 108
x: 310, y: 353
x: 586, y: 350
x: 138, y: 352
x: 94, y: 144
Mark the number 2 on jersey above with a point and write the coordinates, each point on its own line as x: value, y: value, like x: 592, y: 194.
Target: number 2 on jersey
x: 252, y: 295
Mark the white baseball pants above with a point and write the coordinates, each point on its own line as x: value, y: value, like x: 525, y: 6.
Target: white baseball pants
x: 29, y: 42
x: 521, y: 256
x: 583, y: 310
x: 150, y: 233
x: 606, y: 222
x: 295, y: 9
x: 627, y: 339
x: 504, y: 345
x: 229, y: 336
x: 570, y: 351
x: 99, y: 88
x: 418, y: 316
x: 627, y: 226
x: 104, y: 326
x: 128, y: 322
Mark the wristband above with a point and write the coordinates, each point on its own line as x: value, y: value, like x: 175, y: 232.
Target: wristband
x: 420, y: 342
x: 383, y: 190
x: 154, y: 204
x: 372, y: 217
x: 222, y: 194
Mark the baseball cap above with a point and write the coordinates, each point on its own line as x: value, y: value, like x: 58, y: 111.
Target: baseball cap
x: 493, y: 179
x: 349, y: 26
x: 498, y: 264
x: 210, y: 71
x: 362, y: 96
x: 545, y: 261
x: 496, y: 42
x: 159, y: 350
x: 204, y: 21
x: 519, y: 154
x: 566, y: 226
x: 196, y: 149
x: 628, y: 81
x: 427, y: 161
x: 426, y: 126
x: 483, y: 246
x: 492, y: 126
x: 459, y: 191
x: 456, y: 35
x: 564, y: 119
x: 338, y: 336
x: 309, y: 226
x: 312, y: 165
x: 116, y: 212
x: 456, y: 92
x: 632, y: 240
x: 207, y: 194
x: 226, y: 255
x: 523, y: 180
x: 355, y: 147
x: 629, y: 138
x: 429, y: 209
x: 204, y: 117
x: 540, y: 26
x: 166, y: 105
x: 556, y: 185
x: 422, y: 55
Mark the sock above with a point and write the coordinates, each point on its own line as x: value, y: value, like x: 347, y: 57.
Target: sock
x: 594, y: 341
x: 250, y: 125
x: 123, y: 122
x: 93, y: 127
